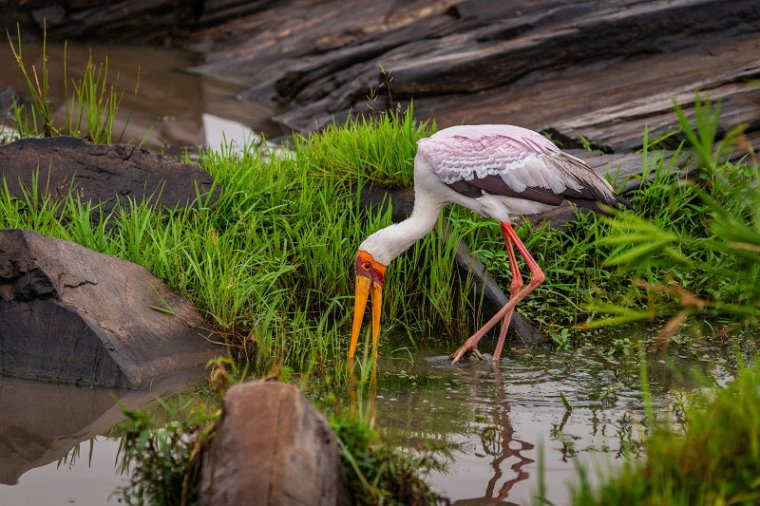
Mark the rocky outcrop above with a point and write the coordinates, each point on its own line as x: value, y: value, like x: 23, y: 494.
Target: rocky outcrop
x: 72, y: 315
x: 104, y: 174
x: 598, y: 69
x: 595, y: 69
x: 156, y: 21
x: 272, y: 448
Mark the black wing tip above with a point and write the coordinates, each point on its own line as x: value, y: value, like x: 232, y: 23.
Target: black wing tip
x: 623, y: 201
x: 604, y: 207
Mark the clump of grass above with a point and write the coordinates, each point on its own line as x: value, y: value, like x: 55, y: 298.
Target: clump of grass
x: 376, y: 473
x: 164, y: 457
x: 40, y: 114
x: 715, y: 461
x: 89, y: 112
x: 692, y: 247
x: 378, y: 149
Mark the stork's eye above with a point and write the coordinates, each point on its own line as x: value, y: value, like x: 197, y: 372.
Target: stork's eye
x: 366, y: 266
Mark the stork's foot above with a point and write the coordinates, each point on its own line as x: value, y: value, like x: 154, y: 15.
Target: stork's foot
x: 464, y: 350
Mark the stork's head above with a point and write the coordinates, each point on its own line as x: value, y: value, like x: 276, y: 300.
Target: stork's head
x: 370, y: 275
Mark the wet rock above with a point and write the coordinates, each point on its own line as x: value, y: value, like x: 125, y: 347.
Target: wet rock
x: 69, y: 314
x: 271, y: 448
x: 156, y: 21
x: 598, y: 69
x: 105, y: 174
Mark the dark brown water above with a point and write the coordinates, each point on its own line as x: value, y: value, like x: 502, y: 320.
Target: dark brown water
x: 490, y: 424
x: 172, y: 108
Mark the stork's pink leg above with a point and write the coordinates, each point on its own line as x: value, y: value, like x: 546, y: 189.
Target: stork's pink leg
x: 537, y: 277
x: 514, y: 287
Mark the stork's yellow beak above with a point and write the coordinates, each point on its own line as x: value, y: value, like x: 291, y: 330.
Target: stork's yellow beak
x: 363, y: 287
x: 369, y: 281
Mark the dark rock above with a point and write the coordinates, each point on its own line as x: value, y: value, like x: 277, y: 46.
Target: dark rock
x: 272, y: 448
x: 107, y: 174
x: 72, y: 315
x: 585, y: 35
x: 213, y: 12
x: 597, y: 69
x: 155, y: 21
x: 601, y: 70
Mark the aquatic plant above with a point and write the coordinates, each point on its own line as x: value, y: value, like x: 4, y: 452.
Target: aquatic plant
x: 375, y: 472
x: 716, y: 460
x: 163, y: 457
x: 89, y: 111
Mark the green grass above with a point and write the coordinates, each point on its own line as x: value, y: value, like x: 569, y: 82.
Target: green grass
x: 378, y: 473
x: 716, y: 460
x: 692, y: 247
x: 161, y: 450
x: 270, y: 261
x: 89, y: 111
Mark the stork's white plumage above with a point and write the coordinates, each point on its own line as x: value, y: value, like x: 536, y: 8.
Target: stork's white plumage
x: 499, y: 171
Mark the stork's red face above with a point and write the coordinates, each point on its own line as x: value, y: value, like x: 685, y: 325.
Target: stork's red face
x: 370, y: 276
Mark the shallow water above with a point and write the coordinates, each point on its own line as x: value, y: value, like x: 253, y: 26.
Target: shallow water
x: 498, y: 422
x: 52, y: 444
x: 172, y: 109
x: 490, y: 424
x: 89, y: 476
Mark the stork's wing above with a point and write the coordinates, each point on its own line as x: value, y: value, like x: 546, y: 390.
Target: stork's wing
x: 514, y: 167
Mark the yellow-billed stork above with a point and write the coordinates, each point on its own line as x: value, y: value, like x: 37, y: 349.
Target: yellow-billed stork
x: 499, y: 171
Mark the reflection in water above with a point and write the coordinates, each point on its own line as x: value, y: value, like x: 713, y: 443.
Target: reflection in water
x: 500, y: 443
x: 40, y: 423
x: 494, y: 421
x: 87, y: 480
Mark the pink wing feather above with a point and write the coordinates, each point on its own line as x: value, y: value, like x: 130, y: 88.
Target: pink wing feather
x: 521, y: 158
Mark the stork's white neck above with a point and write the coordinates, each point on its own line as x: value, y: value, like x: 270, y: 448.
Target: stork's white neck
x: 389, y: 242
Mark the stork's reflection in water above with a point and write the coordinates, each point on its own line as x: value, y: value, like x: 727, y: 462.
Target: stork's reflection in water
x: 464, y: 411
x: 499, y: 442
